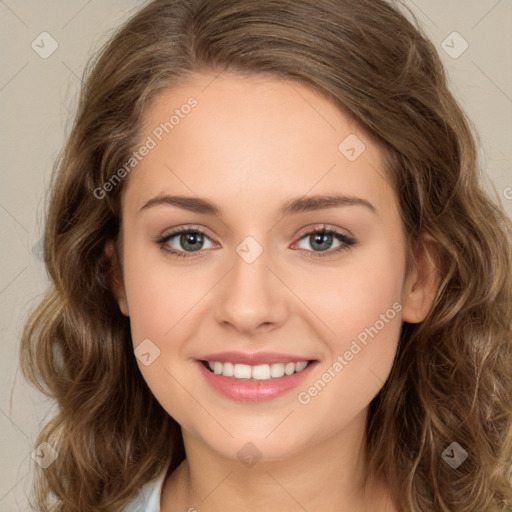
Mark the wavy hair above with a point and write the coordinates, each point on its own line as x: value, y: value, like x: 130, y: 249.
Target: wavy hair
x: 452, y: 376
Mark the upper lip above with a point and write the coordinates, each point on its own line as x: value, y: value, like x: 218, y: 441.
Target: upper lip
x: 253, y: 359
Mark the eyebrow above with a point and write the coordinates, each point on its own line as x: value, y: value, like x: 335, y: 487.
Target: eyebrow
x: 290, y: 207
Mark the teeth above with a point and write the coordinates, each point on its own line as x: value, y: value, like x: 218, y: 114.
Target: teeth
x: 228, y: 369
x: 241, y: 371
x: 300, y: 366
x: 258, y: 372
x: 276, y: 370
x: 289, y: 368
x: 261, y: 372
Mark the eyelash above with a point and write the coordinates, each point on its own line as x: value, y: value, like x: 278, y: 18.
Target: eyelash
x: 347, y: 242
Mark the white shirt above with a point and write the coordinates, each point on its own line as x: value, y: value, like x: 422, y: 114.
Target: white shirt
x: 148, y: 499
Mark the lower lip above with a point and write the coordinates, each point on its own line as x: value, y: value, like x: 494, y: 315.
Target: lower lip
x: 244, y: 390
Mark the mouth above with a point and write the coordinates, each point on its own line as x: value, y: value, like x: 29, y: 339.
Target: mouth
x: 254, y: 377
x: 260, y: 372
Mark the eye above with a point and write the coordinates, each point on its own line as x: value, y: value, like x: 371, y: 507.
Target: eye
x: 321, y: 240
x: 190, y: 240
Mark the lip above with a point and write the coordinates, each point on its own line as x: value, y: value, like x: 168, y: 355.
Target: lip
x: 254, y: 391
x: 253, y: 359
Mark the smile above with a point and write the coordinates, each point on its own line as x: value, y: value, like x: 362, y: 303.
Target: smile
x: 255, y: 377
x: 257, y: 372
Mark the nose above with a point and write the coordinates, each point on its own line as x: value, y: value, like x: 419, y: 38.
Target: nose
x: 251, y: 298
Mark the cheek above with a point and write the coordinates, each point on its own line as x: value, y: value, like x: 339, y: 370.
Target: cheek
x: 364, y: 290
x: 362, y: 309
x: 159, y: 295
x: 159, y: 299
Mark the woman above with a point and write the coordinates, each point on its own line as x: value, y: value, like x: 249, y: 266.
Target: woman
x: 345, y: 323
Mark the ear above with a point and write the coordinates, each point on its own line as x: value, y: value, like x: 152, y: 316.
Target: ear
x: 115, y: 276
x: 422, y: 280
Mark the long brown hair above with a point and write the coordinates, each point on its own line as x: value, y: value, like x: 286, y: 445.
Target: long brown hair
x: 452, y: 377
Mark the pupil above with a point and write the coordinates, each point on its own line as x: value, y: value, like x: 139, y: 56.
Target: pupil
x: 322, y: 238
x: 192, y: 240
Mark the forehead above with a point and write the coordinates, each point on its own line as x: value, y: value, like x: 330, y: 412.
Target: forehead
x: 254, y: 140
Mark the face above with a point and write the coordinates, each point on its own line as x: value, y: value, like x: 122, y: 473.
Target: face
x: 235, y: 274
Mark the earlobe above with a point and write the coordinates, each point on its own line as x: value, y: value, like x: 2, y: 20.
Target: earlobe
x: 115, y: 276
x: 422, y: 280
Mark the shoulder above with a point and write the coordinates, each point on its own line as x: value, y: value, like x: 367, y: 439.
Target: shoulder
x: 148, y: 499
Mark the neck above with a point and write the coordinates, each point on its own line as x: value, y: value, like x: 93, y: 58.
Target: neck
x: 328, y: 475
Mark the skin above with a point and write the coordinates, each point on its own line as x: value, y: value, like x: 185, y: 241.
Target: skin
x: 249, y: 145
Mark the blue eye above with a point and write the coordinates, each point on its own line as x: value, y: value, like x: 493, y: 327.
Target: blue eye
x: 322, y: 237
x: 192, y: 240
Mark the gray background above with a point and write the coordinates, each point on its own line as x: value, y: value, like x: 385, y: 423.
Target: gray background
x: 37, y: 99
